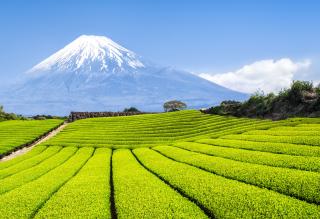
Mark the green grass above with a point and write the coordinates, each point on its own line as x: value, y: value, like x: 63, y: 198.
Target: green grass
x: 171, y: 165
x: 15, y: 134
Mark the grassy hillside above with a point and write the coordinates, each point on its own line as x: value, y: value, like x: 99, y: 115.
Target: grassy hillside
x: 151, y: 129
x: 173, y: 165
x: 15, y: 134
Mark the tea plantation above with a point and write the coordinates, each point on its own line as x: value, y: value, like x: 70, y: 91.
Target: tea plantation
x: 15, y: 134
x: 172, y: 165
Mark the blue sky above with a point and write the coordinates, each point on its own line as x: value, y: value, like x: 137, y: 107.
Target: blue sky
x: 202, y: 36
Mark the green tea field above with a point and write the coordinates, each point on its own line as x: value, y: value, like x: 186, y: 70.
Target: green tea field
x: 17, y: 134
x: 171, y: 165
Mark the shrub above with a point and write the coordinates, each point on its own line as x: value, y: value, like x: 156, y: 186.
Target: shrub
x: 8, y: 116
x: 301, y: 99
x: 174, y: 105
x: 131, y: 109
x: 294, y: 94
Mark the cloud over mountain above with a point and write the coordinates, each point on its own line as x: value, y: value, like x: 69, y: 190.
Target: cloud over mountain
x: 267, y: 75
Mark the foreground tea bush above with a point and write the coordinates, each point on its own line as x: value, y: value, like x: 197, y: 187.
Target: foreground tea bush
x: 25, y: 201
x: 30, y: 162
x: 140, y: 194
x: 223, y: 197
x: 36, y: 171
x: 300, y: 184
x: 35, y: 151
x: 86, y: 195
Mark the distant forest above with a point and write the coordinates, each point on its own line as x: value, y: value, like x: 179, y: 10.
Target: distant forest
x: 301, y: 99
x: 8, y: 116
x: 11, y: 116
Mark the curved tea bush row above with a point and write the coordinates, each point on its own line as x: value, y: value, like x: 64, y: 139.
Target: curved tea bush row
x: 299, y: 127
x: 300, y: 184
x: 272, y: 147
x: 310, y: 125
x: 283, y: 132
x: 86, y: 195
x: 298, y: 130
x: 256, y: 157
x: 307, y: 140
x: 34, y: 151
x: 30, y: 162
x: 35, y: 172
x: 16, y: 134
x: 223, y: 197
x: 25, y: 201
x: 140, y: 194
x: 245, y: 126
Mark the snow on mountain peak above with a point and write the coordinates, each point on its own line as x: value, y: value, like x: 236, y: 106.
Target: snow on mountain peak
x: 89, y: 53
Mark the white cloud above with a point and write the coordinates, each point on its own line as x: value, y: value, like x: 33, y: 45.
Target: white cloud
x: 267, y: 75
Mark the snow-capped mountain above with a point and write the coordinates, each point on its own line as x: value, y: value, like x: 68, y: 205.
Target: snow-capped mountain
x: 88, y: 54
x: 93, y: 73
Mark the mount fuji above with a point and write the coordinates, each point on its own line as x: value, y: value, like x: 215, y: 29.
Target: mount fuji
x: 93, y: 73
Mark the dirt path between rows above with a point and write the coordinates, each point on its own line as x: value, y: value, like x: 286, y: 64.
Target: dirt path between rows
x: 28, y: 148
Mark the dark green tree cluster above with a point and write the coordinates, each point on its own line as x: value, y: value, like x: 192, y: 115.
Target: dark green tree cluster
x: 131, y: 109
x: 8, y: 116
x: 174, y: 105
x: 301, y: 99
x: 44, y: 117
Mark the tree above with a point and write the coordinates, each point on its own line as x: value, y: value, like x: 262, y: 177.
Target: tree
x: 174, y: 105
x: 301, y: 99
x: 296, y: 92
x: 131, y: 109
x: 8, y: 116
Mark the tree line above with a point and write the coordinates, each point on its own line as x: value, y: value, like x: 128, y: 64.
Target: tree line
x: 302, y: 98
x: 8, y: 116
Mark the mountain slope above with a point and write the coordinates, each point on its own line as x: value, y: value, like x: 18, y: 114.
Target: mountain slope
x: 93, y: 73
x: 89, y: 54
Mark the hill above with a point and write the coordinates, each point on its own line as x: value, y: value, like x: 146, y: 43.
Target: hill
x: 16, y: 134
x: 172, y: 165
x: 150, y: 129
